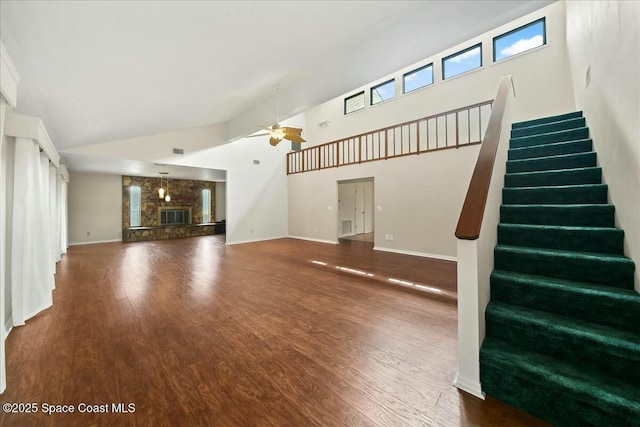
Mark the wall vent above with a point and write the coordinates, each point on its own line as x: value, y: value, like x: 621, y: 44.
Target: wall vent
x: 345, y: 227
x: 178, y: 151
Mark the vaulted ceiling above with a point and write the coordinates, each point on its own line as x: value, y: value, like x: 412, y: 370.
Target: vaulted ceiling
x: 98, y: 71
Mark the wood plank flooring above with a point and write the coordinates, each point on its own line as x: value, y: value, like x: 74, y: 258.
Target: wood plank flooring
x: 193, y: 332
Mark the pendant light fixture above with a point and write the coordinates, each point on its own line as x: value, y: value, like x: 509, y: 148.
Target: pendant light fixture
x: 167, y: 198
x: 161, y: 190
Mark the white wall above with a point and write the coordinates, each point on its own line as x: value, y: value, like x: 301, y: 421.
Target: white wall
x: 256, y: 194
x: 602, y: 40
x: 95, y: 208
x: 421, y: 196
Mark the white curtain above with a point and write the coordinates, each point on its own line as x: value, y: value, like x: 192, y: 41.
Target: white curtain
x: 3, y: 251
x: 53, y: 215
x: 31, y: 261
x: 64, y: 218
x: 59, y: 209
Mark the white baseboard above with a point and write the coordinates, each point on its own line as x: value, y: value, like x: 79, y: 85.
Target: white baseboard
x: 472, y: 387
x: 331, y: 242
x: 238, y: 242
x: 93, y: 242
x: 420, y: 254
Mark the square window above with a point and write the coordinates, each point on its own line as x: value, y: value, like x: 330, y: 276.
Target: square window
x: 383, y: 91
x: 354, y: 103
x: 461, y: 62
x: 519, y: 40
x: 416, y: 79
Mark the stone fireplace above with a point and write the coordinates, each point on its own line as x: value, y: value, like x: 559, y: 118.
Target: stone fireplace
x: 181, y: 217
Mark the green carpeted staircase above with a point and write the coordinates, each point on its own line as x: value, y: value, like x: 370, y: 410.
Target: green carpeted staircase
x: 563, y: 324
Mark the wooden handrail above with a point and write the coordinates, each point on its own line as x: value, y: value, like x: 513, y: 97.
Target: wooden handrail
x: 472, y: 213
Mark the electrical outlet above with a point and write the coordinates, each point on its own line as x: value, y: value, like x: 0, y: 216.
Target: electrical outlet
x: 329, y: 208
x: 390, y: 236
x: 386, y: 237
x: 379, y: 208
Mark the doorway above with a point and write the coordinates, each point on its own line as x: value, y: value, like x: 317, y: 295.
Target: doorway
x: 356, y: 210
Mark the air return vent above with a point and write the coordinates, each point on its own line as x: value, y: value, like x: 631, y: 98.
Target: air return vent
x: 178, y: 151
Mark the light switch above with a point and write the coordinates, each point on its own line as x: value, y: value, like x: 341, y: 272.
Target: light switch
x: 379, y: 208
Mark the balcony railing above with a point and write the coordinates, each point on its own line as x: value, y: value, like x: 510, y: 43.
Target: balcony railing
x: 451, y: 129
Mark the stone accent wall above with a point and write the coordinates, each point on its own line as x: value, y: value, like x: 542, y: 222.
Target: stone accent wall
x: 183, y: 193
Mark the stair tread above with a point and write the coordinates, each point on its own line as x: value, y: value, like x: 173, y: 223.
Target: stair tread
x: 570, y: 206
x: 600, y: 291
x: 560, y: 252
x: 557, y: 156
x: 611, y: 337
x: 547, y: 120
x: 554, y: 171
x: 542, y: 227
x: 553, y: 133
x: 557, y: 187
x: 553, y: 144
x: 534, y: 127
x: 593, y: 388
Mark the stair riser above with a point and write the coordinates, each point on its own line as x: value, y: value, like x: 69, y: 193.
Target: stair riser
x: 584, y: 160
x: 545, y: 401
x: 546, y: 120
x: 614, y: 273
x: 549, y: 138
x: 585, y: 217
x: 555, y: 196
x: 549, y: 127
x: 596, y: 241
x: 593, y: 355
x: 547, y: 178
x: 583, y: 146
x: 577, y: 303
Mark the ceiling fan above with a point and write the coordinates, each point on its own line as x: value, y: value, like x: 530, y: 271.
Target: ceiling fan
x: 277, y: 133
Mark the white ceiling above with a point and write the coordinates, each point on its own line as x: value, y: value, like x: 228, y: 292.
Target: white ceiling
x: 99, y: 71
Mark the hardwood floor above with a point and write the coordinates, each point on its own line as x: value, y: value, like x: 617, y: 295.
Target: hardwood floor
x: 193, y: 332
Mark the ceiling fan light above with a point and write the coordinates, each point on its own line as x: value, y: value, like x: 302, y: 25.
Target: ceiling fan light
x: 277, y: 133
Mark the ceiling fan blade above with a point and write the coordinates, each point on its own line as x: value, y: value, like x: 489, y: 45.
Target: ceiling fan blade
x: 294, y: 138
x: 260, y: 134
x: 295, y: 131
x: 274, y: 141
